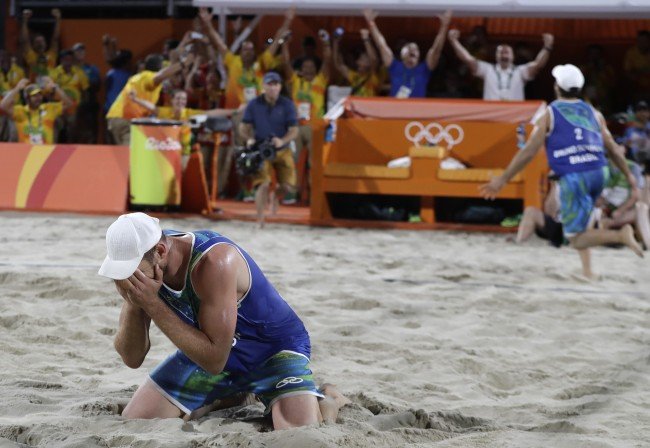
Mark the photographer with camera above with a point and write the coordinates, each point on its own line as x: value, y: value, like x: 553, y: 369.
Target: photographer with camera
x: 271, y: 116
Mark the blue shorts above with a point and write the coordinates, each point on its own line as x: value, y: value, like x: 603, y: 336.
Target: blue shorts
x: 189, y: 387
x: 578, y: 195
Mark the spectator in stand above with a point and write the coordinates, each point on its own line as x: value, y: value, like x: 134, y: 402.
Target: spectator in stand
x: 307, y: 89
x: 10, y: 72
x: 637, y: 64
x: 91, y: 71
x: 120, y: 72
x: 88, y: 111
x: 364, y: 80
x: 35, y: 120
x: 147, y: 86
x: 72, y: 79
x: 409, y: 77
x: 168, y: 47
x: 600, y: 79
x: 309, y: 50
x: 503, y: 81
x: 37, y: 56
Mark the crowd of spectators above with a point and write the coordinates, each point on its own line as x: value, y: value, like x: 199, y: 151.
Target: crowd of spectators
x: 52, y: 95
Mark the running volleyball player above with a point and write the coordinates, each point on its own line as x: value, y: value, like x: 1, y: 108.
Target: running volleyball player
x: 576, y: 138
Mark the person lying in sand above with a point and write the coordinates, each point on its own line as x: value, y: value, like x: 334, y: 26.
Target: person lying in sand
x: 234, y: 333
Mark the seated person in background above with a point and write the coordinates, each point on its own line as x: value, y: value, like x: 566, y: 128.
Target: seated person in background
x: 621, y: 205
x: 38, y: 58
x: 35, y: 120
x: 74, y: 82
x: 545, y: 224
x: 409, y: 77
x: 364, y: 80
x: 503, y: 81
x: 272, y: 116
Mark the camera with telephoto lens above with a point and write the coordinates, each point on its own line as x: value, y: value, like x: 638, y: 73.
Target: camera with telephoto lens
x: 250, y: 161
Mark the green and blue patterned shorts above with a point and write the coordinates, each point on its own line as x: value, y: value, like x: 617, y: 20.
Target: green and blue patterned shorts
x: 189, y: 387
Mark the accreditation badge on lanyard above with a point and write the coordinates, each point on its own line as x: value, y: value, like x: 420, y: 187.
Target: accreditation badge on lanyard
x: 304, y: 111
x: 403, y: 92
x: 250, y: 93
x: 36, y: 138
x: 36, y: 134
x: 504, y: 84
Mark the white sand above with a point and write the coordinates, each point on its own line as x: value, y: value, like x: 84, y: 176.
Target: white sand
x: 452, y: 340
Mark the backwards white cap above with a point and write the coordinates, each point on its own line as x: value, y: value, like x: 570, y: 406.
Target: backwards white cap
x: 568, y: 77
x: 127, y: 240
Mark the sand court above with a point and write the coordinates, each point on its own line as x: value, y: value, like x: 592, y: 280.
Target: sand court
x: 439, y: 339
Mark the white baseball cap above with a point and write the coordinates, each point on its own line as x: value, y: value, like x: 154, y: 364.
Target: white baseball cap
x: 568, y: 77
x: 127, y: 240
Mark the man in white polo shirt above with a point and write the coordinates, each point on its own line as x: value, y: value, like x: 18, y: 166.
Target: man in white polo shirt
x: 503, y: 81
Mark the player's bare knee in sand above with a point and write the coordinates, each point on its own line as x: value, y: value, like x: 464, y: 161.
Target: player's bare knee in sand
x: 148, y: 402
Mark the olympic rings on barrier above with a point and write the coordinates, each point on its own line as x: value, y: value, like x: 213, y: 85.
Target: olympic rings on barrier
x: 425, y: 133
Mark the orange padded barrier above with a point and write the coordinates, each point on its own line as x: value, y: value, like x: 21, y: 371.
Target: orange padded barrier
x: 356, y: 161
x: 426, y: 109
x: 77, y: 178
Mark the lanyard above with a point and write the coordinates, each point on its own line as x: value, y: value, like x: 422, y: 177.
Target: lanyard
x: 303, y: 91
x: 511, y: 72
x: 411, y: 78
x: 30, y: 129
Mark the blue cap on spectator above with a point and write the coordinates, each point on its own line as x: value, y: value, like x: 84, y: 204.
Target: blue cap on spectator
x: 270, y: 77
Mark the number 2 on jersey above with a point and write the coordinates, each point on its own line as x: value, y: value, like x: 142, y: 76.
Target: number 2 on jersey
x: 578, y: 133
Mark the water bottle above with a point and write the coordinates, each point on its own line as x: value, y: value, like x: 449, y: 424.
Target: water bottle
x: 521, y: 135
x: 330, y: 132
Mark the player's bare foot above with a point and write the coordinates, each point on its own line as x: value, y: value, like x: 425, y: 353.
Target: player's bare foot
x: 627, y: 236
x: 333, y: 401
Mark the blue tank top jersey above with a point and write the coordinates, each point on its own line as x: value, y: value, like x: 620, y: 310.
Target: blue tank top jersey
x: 266, y: 324
x: 575, y: 142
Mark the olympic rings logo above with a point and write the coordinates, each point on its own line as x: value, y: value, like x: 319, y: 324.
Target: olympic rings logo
x: 416, y: 132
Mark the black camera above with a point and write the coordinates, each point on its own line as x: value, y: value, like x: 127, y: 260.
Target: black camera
x: 250, y: 161
x: 211, y: 124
